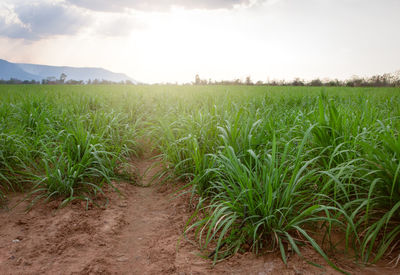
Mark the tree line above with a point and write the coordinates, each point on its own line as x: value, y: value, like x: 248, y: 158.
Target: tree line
x: 384, y: 80
x: 62, y: 81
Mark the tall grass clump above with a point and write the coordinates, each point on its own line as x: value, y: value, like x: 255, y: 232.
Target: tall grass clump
x: 378, y: 212
x: 63, y: 143
x: 266, y: 199
x: 277, y: 164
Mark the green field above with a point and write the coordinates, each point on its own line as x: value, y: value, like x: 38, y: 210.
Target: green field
x: 271, y: 166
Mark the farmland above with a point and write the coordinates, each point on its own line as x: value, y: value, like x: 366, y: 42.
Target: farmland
x: 269, y: 168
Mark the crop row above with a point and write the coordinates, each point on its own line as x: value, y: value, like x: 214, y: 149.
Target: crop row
x: 274, y: 168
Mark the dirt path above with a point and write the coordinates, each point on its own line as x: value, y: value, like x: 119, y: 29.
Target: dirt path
x: 139, y: 233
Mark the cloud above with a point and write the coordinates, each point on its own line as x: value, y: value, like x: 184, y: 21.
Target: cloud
x: 34, y: 21
x: 120, y: 5
x: 37, y: 19
x: 116, y: 26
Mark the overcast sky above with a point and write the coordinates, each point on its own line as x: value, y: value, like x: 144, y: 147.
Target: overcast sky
x: 168, y: 41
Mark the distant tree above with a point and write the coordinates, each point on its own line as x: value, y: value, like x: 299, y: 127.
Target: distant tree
x: 316, y: 82
x: 203, y: 82
x: 74, y: 82
x: 273, y: 82
x: 396, y: 79
x: 248, y: 81
x: 359, y: 82
x: 237, y: 81
x: 51, y: 80
x: 298, y: 82
x: 355, y: 81
x: 197, y: 80
x: 15, y: 81
x: 333, y: 83
x: 63, y: 76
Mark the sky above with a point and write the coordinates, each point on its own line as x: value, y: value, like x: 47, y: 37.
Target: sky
x: 158, y: 41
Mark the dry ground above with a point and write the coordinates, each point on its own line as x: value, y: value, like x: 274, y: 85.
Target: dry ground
x: 138, y: 233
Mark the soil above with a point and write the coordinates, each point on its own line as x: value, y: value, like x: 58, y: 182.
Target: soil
x: 139, y: 232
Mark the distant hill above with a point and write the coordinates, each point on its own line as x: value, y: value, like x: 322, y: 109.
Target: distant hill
x: 23, y: 72
x: 10, y: 70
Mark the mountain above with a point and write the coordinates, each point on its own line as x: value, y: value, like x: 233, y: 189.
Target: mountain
x: 24, y: 71
x: 10, y: 70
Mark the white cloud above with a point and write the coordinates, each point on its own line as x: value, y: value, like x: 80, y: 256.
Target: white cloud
x: 156, y: 5
x: 36, y: 20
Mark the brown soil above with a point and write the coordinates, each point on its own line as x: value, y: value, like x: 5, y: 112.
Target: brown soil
x: 138, y: 233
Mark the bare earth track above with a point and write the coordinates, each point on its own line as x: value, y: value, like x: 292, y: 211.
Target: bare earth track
x: 138, y: 233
